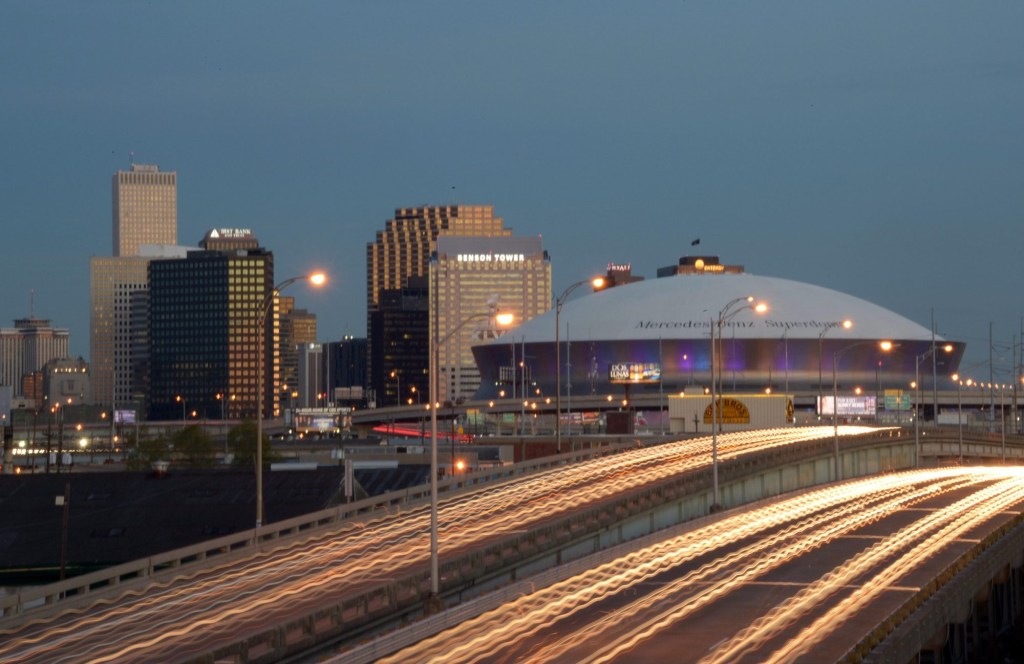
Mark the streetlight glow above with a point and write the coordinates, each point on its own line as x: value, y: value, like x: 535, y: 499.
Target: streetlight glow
x: 502, y: 318
x: 596, y: 283
x: 316, y: 279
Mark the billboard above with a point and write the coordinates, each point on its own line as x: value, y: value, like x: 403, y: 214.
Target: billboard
x: 124, y: 416
x: 856, y: 406
x: 634, y: 372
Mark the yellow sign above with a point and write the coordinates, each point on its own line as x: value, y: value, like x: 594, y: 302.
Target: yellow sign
x: 731, y: 411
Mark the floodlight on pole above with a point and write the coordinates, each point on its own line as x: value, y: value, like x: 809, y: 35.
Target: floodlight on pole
x: 596, y: 282
x: 948, y: 348
x: 503, y: 319
x: 884, y: 346
x: 316, y: 279
x: 725, y: 315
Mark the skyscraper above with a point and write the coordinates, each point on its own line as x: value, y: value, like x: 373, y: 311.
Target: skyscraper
x: 115, y: 282
x: 298, y: 327
x: 145, y: 208
x: 470, y: 277
x: 205, y: 314
x: 145, y: 212
x: 402, y: 250
x: 27, y: 347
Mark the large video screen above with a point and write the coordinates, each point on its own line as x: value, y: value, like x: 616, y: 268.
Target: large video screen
x: 634, y: 372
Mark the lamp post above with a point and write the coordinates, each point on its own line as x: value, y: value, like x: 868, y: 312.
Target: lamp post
x: 1002, y: 420
x: 316, y: 279
x: 504, y: 320
x: 885, y: 346
x: 846, y: 325
x: 180, y: 399
x: 959, y: 414
x: 948, y: 348
x: 596, y: 282
x: 725, y: 315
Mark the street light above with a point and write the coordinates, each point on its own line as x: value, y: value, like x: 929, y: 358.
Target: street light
x: 316, y: 279
x: 884, y: 346
x: 596, y: 282
x: 846, y: 325
x: 959, y: 413
x: 180, y: 399
x: 504, y: 320
x: 948, y: 348
x: 725, y: 315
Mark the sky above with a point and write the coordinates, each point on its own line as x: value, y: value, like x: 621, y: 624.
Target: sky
x: 875, y: 148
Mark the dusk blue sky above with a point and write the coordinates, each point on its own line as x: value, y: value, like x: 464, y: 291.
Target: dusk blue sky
x: 876, y: 148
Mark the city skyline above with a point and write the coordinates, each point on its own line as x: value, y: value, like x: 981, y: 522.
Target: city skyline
x: 870, y: 148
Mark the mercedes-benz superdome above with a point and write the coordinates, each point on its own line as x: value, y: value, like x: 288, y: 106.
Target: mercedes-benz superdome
x: 661, y: 328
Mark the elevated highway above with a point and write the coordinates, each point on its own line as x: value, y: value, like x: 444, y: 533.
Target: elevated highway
x: 814, y: 577
x: 329, y: 580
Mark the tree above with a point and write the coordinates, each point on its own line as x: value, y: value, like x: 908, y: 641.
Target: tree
x: 146, y: 451
x: 194, y: 446
x: 242, y: 442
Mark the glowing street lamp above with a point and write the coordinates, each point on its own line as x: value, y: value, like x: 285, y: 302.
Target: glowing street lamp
x: 846, y: 325
x: 315, y: 279
x: 725, y: 315
x: 948, y: 348
x: 884, y: 346
x: 503, y: 319
x: 596, y: 282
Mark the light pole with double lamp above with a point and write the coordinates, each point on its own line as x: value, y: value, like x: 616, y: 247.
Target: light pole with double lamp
x: 316, y: 279
x: 884, y: 346
x: 948, y: 348
x: 596, y: 282
x: 503, y: 319
x: 725, y: 315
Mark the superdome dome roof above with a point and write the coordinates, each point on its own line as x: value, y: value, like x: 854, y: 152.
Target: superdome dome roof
x: 683, y: 306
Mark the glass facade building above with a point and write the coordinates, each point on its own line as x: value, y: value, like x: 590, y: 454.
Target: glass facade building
x: 402, y: 251
x: 204, y: 327
x: 471, y: 278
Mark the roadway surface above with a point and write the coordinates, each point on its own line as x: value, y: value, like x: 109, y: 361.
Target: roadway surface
x: 803, y: 579
x: 213, y: 607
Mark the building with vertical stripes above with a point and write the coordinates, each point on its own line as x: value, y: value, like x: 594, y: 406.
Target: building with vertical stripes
x: 205, y: 316
x: 402, y: 251
x: 470, y: 278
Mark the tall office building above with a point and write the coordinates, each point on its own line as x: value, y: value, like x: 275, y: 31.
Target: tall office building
x: 403, y: 250
x: 115, y: 282
x: 145, y: 208
x: 345, y: 370
x: 471, y: 276
x: 298, y: 328
x: 145, y: 226
x: 27, y: 347
x: 205, y: 314
x: 402, y: 320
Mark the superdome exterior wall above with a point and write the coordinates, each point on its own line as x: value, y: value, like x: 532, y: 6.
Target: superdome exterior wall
x: 746, y: 365
x: 667, y: 321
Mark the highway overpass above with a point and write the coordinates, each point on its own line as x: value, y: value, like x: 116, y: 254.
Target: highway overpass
x: 341, y: 575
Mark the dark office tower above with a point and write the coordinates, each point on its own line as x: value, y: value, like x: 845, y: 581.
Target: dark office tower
x: 345, y: 369
x: 205, y: 323
x: 402, y: 250
x: 402, y: 343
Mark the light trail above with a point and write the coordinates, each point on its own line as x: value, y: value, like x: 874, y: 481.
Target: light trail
x: 144, y: 624
x: 746, y: 547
